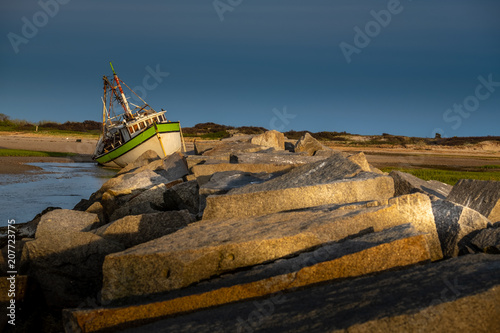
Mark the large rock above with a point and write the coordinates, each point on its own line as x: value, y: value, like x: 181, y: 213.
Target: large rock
x: 182, y: 196
x: 480, y: 195
x: 487, y: 240
x: 404, y: 183
x: 223, y: 182
x: 275, y: 158
x: 202, y: 146
x: 456, y: 295
x: 137, y: 229
x: 68, y: 265
x: 209, y: 248
x: 364, y: 187
x: 225, y: 149
x: 334, y: 180
x: 193, y: 160
x: 396, y: 247
x: 456, y: 225
x: 65, y: 220
x: 146, y: 158
x: 203, y: 172
x: 145, y: 202
x: 157, y: 172
x: 309, y: 145
x: 132, y: 182
x: 320, y: 172
x: 65, y: 259
x: 272, y: 139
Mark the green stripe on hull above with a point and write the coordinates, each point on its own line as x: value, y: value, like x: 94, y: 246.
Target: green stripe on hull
x: 137, y: 140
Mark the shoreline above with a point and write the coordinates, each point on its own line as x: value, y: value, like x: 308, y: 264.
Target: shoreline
x: 15, y: 165
x: 379, y: 156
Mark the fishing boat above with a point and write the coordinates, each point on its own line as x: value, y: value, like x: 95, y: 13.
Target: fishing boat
x: 129, y: 130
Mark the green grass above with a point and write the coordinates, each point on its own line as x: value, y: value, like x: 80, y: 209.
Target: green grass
x: 32, y: 153
x: 490, y: 167
x: 448, y: 176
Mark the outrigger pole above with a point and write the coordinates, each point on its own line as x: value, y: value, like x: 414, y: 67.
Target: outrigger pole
x: 125, y: 106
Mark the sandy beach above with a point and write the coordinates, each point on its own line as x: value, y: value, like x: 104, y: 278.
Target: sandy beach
x: 17, y: 164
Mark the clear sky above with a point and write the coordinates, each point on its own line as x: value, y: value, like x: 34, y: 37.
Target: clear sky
x: 367, y: 67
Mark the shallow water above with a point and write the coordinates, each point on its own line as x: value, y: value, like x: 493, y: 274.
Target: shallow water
x: 22, y: 196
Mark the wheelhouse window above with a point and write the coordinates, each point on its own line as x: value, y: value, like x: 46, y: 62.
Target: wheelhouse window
x: 130, y: 130
x: 136, y: 128
x: 142, y: 125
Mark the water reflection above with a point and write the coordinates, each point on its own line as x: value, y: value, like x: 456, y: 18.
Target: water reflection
x: 22, y: 196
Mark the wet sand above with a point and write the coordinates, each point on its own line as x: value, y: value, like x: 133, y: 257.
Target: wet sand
x: 17, y: 164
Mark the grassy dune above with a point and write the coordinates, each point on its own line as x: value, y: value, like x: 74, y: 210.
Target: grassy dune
x: 450, y: 176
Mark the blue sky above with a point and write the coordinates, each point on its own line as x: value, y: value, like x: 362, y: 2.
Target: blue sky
x: 276, y: 64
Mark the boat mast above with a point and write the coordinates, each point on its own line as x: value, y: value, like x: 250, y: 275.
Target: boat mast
x: 128, y: 113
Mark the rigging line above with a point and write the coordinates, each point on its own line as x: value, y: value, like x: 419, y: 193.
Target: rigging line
x: 136, y: 94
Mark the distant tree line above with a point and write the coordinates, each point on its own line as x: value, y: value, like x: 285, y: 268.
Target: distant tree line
x: 8, y: 124
x: 216, y: 131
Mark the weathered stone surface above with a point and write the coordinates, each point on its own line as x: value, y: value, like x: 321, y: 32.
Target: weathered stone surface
x: 271, y: 138
x: 208, y: 248
x: 174, y: 167
x: 225, y: 149
x: 182, y: 196
x: 365, y: 187
x: 455, y: 225
x: 320, y: 172
x: 154, y: 195
x: 223, y: 182
x: 65, y: 220
x: 487, y: 240
x: 67, y: 264
x: 309, y: 144
x: 146, y: 202
x: 404, y: 183
x: 324, y: 182
x: 275, y: 158
x: 137, y: 209
x: 97, y: 208
x: 360, y: 159
x: 203, y: 172
x: 24, y: 230
x: 456, y: 295
x: 137, y: 229
x: 440, y: 187
x: 193, y: 160
x: 146, y: 158
x: 202, y: 146
x: 135, y: 182
x: 397, y: 247
x: 480, y: 195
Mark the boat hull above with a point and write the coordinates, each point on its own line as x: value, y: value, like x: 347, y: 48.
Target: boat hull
x: 164, y: 139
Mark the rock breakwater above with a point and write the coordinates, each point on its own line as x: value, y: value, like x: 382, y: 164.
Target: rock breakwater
x: 258, y: 233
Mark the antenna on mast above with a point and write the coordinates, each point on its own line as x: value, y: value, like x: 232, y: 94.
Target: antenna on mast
x: 124, y: 103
